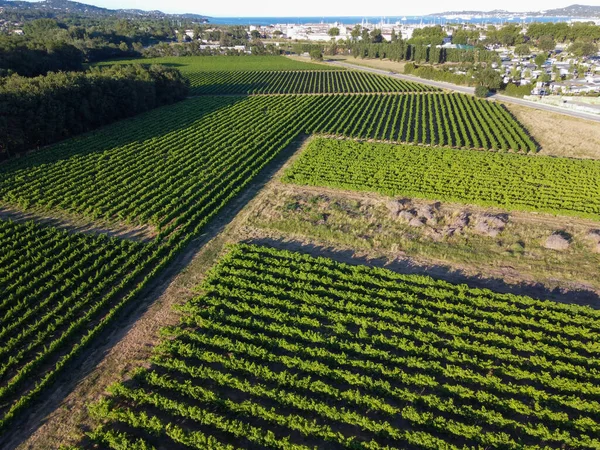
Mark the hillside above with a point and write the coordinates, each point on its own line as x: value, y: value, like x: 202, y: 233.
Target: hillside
x: 55, y: 8
x: 575, y: 11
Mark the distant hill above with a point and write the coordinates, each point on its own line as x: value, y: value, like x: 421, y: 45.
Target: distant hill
x: 575, y: 11
x: 62, y: 7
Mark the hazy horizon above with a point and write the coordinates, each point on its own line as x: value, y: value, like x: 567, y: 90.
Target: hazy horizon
x: 314, y: 8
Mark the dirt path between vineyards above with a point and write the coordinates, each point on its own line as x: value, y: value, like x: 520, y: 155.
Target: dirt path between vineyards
x: 62, y: 418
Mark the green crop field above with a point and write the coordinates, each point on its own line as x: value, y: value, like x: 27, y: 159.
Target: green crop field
x: 173, y: 168
x: 531, y: 183
x: 284, y: 350
x: 59, y: 290
x: 196, y: 64
x: 151, y: 168
x: 274, y: 75
x: 299, y: 82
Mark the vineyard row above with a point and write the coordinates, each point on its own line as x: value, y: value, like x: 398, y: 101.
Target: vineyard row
x: 554, y: 185
x: 298, y: 82
x: 284, y: 350
x: 144, y: 177
x: 176, y: 168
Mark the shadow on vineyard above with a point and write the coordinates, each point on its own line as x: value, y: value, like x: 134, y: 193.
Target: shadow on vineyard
x: 137, y: 234
x: 534, y: 290
x: 538, y: 147
x: 127, y: 131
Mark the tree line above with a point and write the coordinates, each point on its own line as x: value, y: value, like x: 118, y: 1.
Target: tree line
x: 421, y: 53
x: 41, y: 110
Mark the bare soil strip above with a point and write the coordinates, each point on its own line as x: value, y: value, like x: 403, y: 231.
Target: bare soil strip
x: 356, y: 223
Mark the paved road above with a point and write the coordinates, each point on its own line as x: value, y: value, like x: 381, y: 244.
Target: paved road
x: 470, y: 90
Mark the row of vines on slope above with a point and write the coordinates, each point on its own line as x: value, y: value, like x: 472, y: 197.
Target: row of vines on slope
x: 288, y: 351
x: 46, y: 318
x: 144, y: 177
x: 299, y: 82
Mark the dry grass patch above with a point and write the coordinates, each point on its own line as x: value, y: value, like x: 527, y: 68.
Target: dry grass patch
x: 383, y: 64
x: 558, y: 134
x: 478, y: 241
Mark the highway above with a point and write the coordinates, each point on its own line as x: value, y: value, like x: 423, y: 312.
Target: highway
x: 470, y: 90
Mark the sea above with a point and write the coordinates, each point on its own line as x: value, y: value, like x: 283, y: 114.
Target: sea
x: 405, y: 20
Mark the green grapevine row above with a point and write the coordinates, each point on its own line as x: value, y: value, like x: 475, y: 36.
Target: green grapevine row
x: 54, y: 285
x: 57, y: 296
x: 284, y: 350
x: 298, y: 82
x: 554, y: 185
x: 126, y: 173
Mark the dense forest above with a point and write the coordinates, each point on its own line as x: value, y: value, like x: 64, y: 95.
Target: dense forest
x: 42, y: 110
x: 48, y: 45
x: 46, y: 93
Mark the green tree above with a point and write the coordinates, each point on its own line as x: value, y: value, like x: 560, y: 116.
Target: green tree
x: 376, y: 36
x: 522, y: 50
x: 481, y: 91
x: 364, y: 35
x: 333, y: 32
x: 333, y: 48
x: 460, y: 37
x: 510, y: 35
x: 316, y: 54
x: 356, y: 32
x: 546, y: 43
x: 540, y: 59
x: 41, y: 28
x: 488, y: 78
x: 581, y: 49
x: 544, y: 78
x: 255, y: 34
x: 428, y: 36
x: 515, y: 73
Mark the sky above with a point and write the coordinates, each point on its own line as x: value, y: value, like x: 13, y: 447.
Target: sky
x: 323, y: 8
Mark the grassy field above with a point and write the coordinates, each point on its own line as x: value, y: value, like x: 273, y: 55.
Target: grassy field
x: 480, y: 243
x: 383, y: 64
x: 290, y: 351
x: 560, y: 135
x: 513, y: 182
x: 273, y: 75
